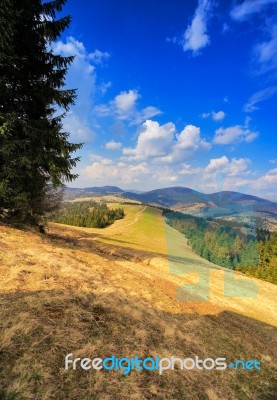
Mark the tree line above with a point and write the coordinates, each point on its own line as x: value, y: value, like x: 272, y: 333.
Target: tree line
x: 87, y: 214
x: 267, y: 267
x: 227, y: 246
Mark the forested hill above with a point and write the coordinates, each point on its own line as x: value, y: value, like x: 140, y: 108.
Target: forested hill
x: 267, y: 266
x: 172, y: 196
x: 250, y: 251
x: 87, y: 214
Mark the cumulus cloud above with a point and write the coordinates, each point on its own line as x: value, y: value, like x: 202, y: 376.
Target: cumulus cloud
x: 79, y: 128
x: 125, y: 101
x: 71, y: 47
x: 142, y: 115
x: 196, y: 36
x: 242, y: 11
x: 258, y: 97
x: 124, y: 107
x: 165, y: 175
x: 74, y: 47
x: 105, y: 171
x: 186, y: 169
x: 223, y: 173
x: 113, y: 145
x: 190, y: 139
x: 188, y: 142
x: 234, y: 134
x: 81, y: 74
x: 232, y: 167
x: 217, y: 164
x: 220, y: 173
x: 163, y: 143
x: 98, y: 56
x: 154, y: 140
x: 216, y: 116
x: 268, y: 180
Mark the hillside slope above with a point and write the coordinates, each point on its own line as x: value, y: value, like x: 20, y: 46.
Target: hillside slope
x: 70, y: 291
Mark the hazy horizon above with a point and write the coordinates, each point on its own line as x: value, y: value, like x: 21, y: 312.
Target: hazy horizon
x: 166, y: 187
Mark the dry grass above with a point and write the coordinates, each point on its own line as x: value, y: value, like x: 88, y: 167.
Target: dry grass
x: 109, y: 198
x: 66, y: 292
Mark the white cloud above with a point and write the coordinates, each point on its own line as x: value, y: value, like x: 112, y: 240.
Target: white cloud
x: 165, y: 174
x: 268, y: 180
x: 266, y: 52
x: 103, y: 87
x: 217, y: 164
x: 188, y: 142
x: 112, y: 145
x: 196, y: 37
x: 189, y: 139
x: 81, y: 74
x: 205, y: 115
x: 163, y: 143
x: 74, y: 47
x: 232, y: 168
x: 154, y: 140
x: 248, y: 7
x: 186, y: 169
x: 100, y: 159
x: 258, y: 97
x: 98, y: 56
x: 125, y: 101
x: 234, y: 134
x: 144, y: 114
x: 71, y: 47
x: 104, y: 171
x: 216, y: 116
x: 102, y: 110
x: 218, y: 174
x: 78, y: 128
x: 124, y: 107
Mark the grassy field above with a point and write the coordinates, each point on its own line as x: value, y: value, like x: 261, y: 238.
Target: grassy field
x: 113, y: 292
x: 109, y: 198
x: 143, y: 231
x: 141, y: 228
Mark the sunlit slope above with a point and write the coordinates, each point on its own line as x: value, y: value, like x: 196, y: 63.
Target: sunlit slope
x: 189, y: 278
x: 141, y: 228
x: 67, y: 292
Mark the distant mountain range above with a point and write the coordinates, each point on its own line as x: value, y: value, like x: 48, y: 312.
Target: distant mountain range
x: 186, y: 199
x: 214, y: 204
x: 74, y: 193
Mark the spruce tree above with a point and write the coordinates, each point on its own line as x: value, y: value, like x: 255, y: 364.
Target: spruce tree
x: 35, y: 152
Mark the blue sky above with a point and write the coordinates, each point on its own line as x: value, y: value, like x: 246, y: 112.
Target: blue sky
x: 174, y: 93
